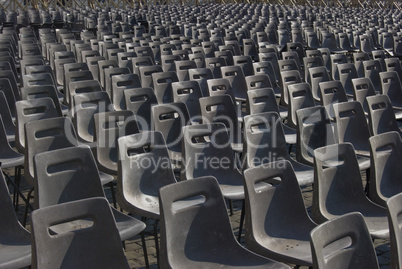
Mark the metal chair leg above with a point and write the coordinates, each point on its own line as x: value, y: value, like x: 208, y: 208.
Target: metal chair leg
x: 156, y: 240
x: 243, y: 209
x: 27, y: 205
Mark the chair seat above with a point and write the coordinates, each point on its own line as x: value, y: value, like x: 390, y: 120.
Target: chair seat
x: 12, y: 160
x: 290, y: 134
x: 16, y: 256
x: 105, y: 178
x: 128, y: 226
x: 304, y: 173
x: 296, y: 251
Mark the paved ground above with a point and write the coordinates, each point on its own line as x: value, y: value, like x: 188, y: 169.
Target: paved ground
x: 134, y: 250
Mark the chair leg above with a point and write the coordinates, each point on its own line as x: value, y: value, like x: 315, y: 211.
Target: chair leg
x: 231, y: 207
x: 17, y: 179
x: 156, y: 240
x: 27, y: 206
x: 111, y: 186
x: 243, y: 209
x: 144, y: 248
x: 367, y: 188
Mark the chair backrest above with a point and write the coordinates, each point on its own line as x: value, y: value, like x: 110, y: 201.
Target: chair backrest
x: 237, y: 80
x: 109, y: 74
x: 169, y: 120
x: 358, y: 59
x: 5, y: 114
x: 220, y: 108
x: 372, y: 69
x: 300, y: 96
x: 386, y: 149
x: 246, y: 64
x: 98, y: 245
x: 351, y: 125
x: 350, y: 235
x: 94, y: 67
x: 264, y: 205
x: 215, y: 64
x: 394, y: 210
x: 167, y: 62
x: 138, y: 185
x: 30, y: 110
x: 267, y: 68
x: 338, y: 185
x: 140, y: 101
x: 109, y: 126
x: 163, y: 86
x: 314, y: 130
x: 64, y: 175
x: 40, y: 91
x: 347, y: 72
x: 337, y: 59
x: 196, y: 236
x: 202, y: 75
x: 391, y: 86
x: 188, y: 92
x: 264, y: 139
x: 288, y: 78
x: 203, y: 141
x: 120, y: 83
x: 46, y: 135
x: 393, y: 64
x: 258, y: 81
x: 83, y: 86
x: 260, y: 101
x: 381, y: 115
x: 363, y: 87
x: 220, y: 86
x: 86, y: 106
x: 182, y: 68
x: 59, y: 68
x: 145, y: 73
x: 332, y: 92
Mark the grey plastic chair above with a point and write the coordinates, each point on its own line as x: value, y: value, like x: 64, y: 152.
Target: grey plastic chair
x: 80, y: 87
x: 108, y: 127
x: 98, y: 245
x: 332, y: 92
x: 29, y: 110
x: 314, y: 130
x: 163, y: 86
x: 195, y: 148
x: 60, y: 175
x: 372, y: 69
x: 363, y: 88
x: 266, y: 67
x: 120, y: 83
x: 268, y: 231
x: 5, y: 114
x: 237, y: 81
x: 169, y: 120
x: 145, y: 73
x: 381, y: 115
x: 138, y: 185
x: 189, y: 92
x: 16, y: 240
x: 352, y: 246
x: 351, y: 126
x: 393, y: 64
x: 358, y: 59
x: 386, y: 150
x: 391, y: 86
x: 140, y: 101
x: 338, y: 189
x: 337, y: 59
x: 220, y: 108
x: 86, y: 106
x: 288, y: 78
x: 264, y: 142
x: 300, y: 96
x: 196, y: 244
x: 394, y: 210
x: 35, y: 92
